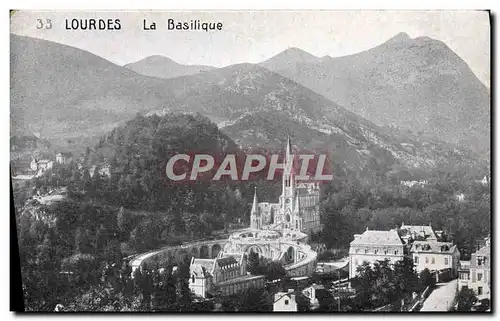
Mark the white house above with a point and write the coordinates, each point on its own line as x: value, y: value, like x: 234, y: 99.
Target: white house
x: 435, y: 256
x: 285, y: 302
x: 373, y: 246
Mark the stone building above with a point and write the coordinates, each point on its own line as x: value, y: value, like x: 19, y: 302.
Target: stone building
x: 475, y: 274
x: 373, y: 246
x: 207, y: 276
x: 435, y: 256
x: 297, y: 207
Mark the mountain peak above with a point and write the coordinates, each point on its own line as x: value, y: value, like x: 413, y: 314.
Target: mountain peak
x: 156, y: 59
x: 289, y: 57
x: 400, y: 37
x: 297, y: 55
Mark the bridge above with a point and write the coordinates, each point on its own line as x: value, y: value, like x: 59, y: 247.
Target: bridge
x: 208, y: 249
x: 299, y: 258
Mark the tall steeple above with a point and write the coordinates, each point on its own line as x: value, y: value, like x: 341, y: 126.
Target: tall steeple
x: 255, y: 206
x: 288, y: 146
x: 288, y: 171
x: 254, y: 213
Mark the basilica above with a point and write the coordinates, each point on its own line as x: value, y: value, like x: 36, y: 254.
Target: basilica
x: 297, y: 208
x: 278, y: 232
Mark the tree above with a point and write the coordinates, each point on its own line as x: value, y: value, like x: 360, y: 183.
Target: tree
x: 274, y: 271
x: 255, y: 300
x: 253, y: 263
x: 465, y: 300
x: 82, y: 243
x: 406, y: 278
x: 426, y: 278
x: 303, y: 302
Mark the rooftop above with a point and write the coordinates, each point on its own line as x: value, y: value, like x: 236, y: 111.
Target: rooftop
x: 418, y: 230
x: 225, y: 261
x: 433, y: 247
x: 377, y: 237
x: 207, y: 264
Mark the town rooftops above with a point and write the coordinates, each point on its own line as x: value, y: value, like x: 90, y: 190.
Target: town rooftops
x: 433, y: 247
x: 417, y: 230
x: 377, y: 237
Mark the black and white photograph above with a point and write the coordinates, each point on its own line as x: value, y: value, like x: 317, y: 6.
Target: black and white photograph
x: 293, y: 161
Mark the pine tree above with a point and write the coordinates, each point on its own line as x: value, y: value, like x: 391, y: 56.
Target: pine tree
x: 82, y: 243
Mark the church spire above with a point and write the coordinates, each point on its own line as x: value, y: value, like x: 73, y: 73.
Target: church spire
x: 288, y: 146
x: 255, y: 205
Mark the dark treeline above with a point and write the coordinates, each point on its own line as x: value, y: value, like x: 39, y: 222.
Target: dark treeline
x: 348, y: 207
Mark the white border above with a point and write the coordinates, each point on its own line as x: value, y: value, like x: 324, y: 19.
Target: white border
x: 179, y: 5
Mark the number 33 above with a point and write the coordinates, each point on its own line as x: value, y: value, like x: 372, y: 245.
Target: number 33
x: 44, y: 24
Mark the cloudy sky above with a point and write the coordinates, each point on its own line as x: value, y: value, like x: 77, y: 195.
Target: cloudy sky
x: 258, y: 35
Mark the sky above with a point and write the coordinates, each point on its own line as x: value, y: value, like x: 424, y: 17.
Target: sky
x: 254, y: 36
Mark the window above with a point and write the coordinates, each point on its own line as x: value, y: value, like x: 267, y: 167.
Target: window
x: 396, y: 252
x: 192, y: 278
x: 385, y: 252
x: 376, y: 251
x: 479, y: 290
x: 479, y: 276
x: 445, y: 261
x: 357, y: 250
x: 366, y: 251
x: 433, y: 260
x: 426, y: 260
x: 416, y: 259
x: 286, y: 302
x: 479, y: 261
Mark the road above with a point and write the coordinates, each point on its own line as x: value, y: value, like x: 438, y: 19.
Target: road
x: 441, y: 299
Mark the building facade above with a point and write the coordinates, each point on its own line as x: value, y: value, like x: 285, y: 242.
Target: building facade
x: 208, y: 276
x: 435, y: 256
x: 475, y: 274
x: 373, y: 246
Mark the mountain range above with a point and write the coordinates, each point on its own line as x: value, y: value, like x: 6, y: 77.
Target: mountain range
x: 64, y: 92
x: 417, y: 84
